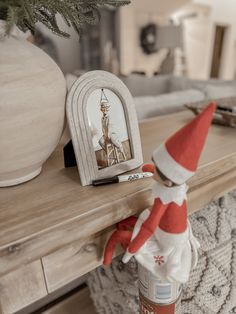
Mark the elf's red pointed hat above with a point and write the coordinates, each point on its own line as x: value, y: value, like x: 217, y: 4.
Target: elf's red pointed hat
x: 178, y: 157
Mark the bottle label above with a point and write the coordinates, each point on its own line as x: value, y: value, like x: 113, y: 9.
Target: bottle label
x: 147, y: 307
x: 155, y: 290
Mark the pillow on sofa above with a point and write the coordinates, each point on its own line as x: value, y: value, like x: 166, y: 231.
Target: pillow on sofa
x: 178, y: 83
x: 181, y: 83
x: 151, y: 106
x: 224, y: 91
x: 141, y: 85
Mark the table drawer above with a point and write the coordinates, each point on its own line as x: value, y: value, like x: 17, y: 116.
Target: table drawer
x: 77, y: 303
x: 74, y: 260
x: 22, y: 287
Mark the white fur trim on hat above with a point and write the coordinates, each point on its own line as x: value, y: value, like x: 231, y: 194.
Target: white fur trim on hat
x: 169, y: 167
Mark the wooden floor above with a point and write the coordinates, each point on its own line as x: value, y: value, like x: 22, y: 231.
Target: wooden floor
x: 78, y: 303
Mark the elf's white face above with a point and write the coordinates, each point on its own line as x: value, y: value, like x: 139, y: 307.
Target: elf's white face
x: 157, y: 178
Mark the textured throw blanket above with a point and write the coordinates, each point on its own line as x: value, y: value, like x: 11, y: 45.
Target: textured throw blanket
x: 212, y: 285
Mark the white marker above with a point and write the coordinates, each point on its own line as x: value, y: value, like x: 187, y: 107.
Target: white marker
x: 123, y: 178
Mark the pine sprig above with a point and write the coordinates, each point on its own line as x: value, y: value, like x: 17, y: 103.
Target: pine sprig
x: 76, y: 13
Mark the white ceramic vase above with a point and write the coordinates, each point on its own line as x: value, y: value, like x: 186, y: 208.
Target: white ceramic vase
x: 32, y: 108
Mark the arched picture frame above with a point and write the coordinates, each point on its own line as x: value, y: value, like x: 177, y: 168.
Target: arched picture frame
x: 104, y: 127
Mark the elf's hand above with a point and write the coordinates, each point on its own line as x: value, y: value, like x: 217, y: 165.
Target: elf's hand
x: 148, y: 168
x: 127, y: 256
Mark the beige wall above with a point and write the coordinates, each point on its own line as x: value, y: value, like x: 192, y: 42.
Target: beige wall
x: 131, y: 19
x: 222, y: 13
x: 68, y: 49
x: 196, y: 33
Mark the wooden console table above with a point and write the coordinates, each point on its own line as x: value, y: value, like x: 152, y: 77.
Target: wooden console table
x: 53, y: 230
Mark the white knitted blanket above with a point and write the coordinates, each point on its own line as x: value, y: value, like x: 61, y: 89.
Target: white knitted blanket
x: 212, y: 285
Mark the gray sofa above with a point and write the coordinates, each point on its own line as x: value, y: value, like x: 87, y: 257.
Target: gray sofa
x: 168, y: 94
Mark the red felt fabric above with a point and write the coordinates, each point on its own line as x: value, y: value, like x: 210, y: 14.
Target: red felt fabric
x: 170, y: 218
x: 186, y: 145
x: 175, y: 218
x: 149, y: 226
x: 148, y: 168
x: 122, y: 237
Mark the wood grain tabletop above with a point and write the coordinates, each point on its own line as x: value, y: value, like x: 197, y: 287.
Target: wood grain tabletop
x: 52, y: 210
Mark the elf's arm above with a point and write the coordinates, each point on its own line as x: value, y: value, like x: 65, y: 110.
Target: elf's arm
x: 147, y: 229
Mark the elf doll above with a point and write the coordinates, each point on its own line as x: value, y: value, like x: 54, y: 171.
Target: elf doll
x: 162, y: 239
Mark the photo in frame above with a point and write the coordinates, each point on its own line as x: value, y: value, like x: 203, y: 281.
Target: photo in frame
x: 103, y: 126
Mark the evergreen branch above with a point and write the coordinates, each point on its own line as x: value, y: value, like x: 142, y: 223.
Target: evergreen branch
x: 11, y: 17
x: 26, y: 13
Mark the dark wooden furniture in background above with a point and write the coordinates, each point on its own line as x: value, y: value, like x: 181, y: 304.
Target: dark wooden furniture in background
x: 218, y: 48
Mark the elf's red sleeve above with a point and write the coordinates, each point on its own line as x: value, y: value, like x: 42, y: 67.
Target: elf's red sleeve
x: 148, y: 227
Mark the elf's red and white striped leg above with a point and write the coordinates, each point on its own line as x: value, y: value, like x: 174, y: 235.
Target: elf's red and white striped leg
x: 122, y: 237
